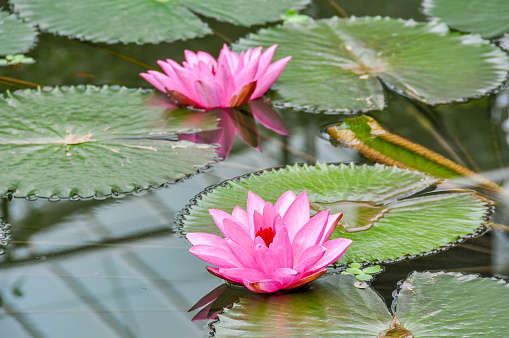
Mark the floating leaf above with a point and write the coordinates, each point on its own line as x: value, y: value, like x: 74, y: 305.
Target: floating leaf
x: 146, y: 21
x: 355, y: 271
x: 428, y: 305
x: 355, y: 265
x: 90, y: 141
x: 372, y: 269
x: 436, y: 219
x: 17, y: 36
x: 331, y: 306
x: 364, y: 277
x: 341, y: 64
x: 474, y: 16
x: 365, y: 135
x: 439, y: 304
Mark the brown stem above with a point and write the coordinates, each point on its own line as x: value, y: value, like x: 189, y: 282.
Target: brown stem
x: 338, y: 9
x: 222, y: 37
x: 120, y: 55
x: 11, y: 80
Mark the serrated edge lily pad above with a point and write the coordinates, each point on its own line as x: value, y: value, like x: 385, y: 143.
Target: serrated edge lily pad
x: 372, y: 75
x: 25, y: 35
x: 487, y: 207
x: 153, y: 131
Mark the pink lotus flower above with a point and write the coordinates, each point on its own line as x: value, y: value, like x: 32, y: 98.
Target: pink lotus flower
x: 231, y: 81
x: 269, y: 248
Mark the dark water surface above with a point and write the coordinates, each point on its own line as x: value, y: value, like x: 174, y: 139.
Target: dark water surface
x: 119, y: 268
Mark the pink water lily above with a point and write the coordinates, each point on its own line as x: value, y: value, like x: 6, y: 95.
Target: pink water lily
x: 231, y: 81
x: 270, y: 247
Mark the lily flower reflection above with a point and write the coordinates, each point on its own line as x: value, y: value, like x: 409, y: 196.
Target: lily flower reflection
x: 241, y: 121
x: 216, y: 301
x: 231, y: 81
x: 270, y: 247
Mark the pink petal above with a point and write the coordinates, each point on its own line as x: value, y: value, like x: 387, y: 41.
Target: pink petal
x: 217, y: 256
x: 335, y: 249
x: 228, y: 58
x: 241, y: 215
x: 209, y: 94
x: 269, y: 215
x: 238, y: 234
x: 331, y: 225
x: 215, y: 272
x: 310, y: 234
x: 220, y: 215
x: 264, y: 286
x: 225, y: 78
x: 153, y: 81
x: 307, y: 279
x: 254, y: 203
x: 242, y: 254
x: 287, y: 276
x: 241, y: 95
x: 208, y: 59
x: 309, y: 258
x: 197, y: 238
x: 191, y: 57
x: 265, y: 60
x: 240, y: 275
x: 246, y: 74
x: 284, y: 201
x: 264, y: 82
x: 297, y: 214
x: 281, y: 250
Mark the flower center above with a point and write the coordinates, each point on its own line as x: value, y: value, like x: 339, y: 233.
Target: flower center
x: 267, y: 235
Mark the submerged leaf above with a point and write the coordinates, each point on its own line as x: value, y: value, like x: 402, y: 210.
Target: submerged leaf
x: 473, y: 16
x: 146, y: 21
x: 365, y: 135
x: 342, y: 64
x: 88, y: 141
x: 437, y: 219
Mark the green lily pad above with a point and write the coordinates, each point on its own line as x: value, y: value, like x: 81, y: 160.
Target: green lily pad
x: 437, y: 219
x: 473, y: 16
x: 428, y: 305
x: 346, y: 62
x: 439, y: 304
x: 93, y: 141
x: 146, y: 21
x: 17, y: 36
x: 331, y: 306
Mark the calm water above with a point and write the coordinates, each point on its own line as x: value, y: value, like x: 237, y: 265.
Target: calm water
x: 119, y: 268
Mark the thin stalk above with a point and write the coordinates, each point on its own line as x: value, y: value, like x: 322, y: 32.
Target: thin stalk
x: 122, y: 56
x: 222, y: 37
x: 337, y: 8
x: 26, y: 83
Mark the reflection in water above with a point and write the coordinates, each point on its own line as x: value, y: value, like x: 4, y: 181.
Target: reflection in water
x: 240, y: 121
x: 357, y: 215
x: 218, y: 299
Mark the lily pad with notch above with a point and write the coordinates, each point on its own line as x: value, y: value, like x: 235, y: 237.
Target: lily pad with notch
x: 17, y: 36
x: 95, y: 141
x: 146, y: 21
x: 428, y: 304
x: 383, y: 214
x: 343, y: 64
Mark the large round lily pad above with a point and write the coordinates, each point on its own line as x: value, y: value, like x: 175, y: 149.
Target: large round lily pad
x: 17, y: 36
x: 428, y: 305
x: 382, y: 214
x: 342, y: 64
x: 473, y: 16
x: 146, y: 21
x: 86, y: 141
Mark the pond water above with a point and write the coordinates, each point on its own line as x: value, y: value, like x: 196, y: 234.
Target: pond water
x: 120, y: 268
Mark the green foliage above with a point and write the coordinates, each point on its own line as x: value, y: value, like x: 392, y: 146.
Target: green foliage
x: 17, y: 36
x: 380, y: 214
x: 343, y: 64
x: 88, y: 141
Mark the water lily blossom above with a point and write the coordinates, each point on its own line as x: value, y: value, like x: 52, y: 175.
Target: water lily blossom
x: 270, y: 247
x: 231, y: 81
